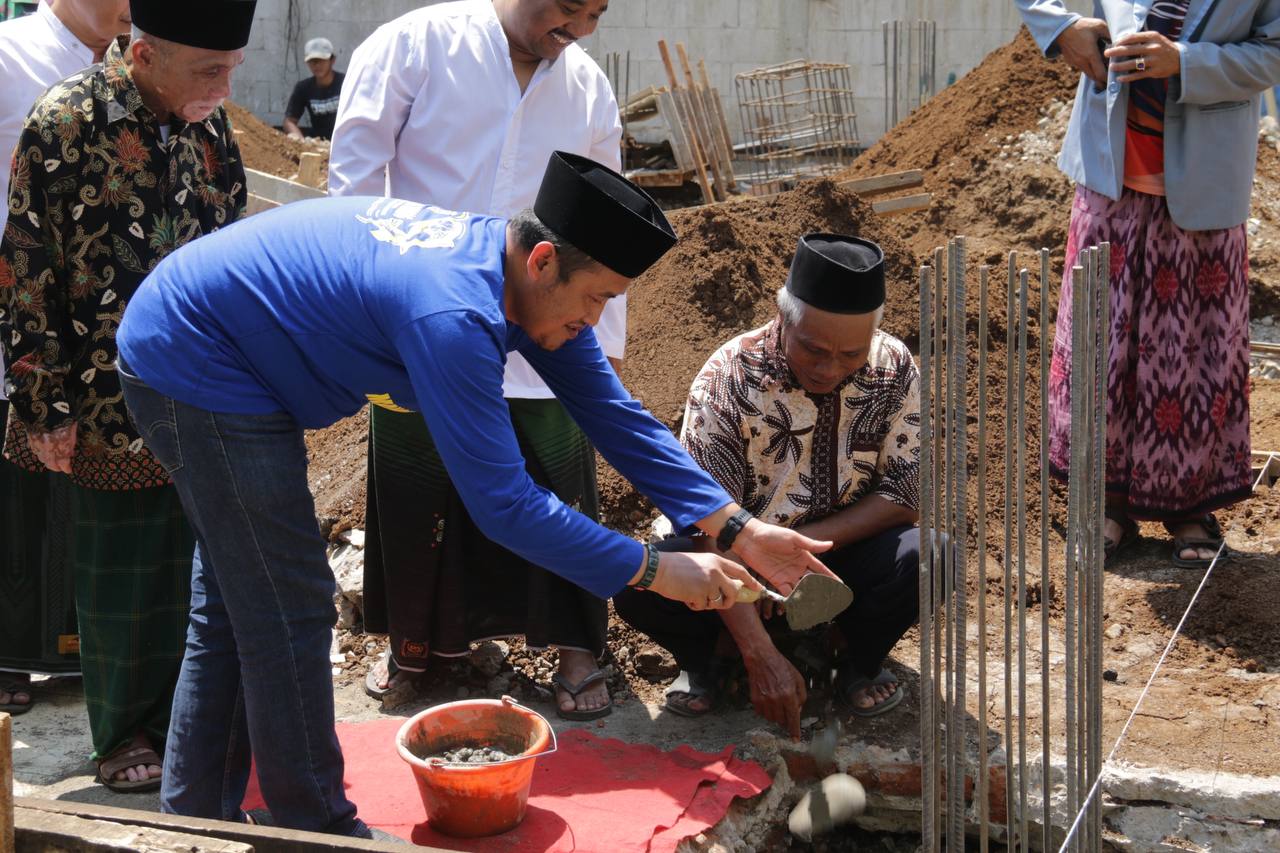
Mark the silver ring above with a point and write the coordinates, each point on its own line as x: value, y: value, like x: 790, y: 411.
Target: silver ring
x: 719, y: 598
x: 1140, y: 64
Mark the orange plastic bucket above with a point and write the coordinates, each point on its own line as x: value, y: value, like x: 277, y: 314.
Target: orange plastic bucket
x: 470, y: 800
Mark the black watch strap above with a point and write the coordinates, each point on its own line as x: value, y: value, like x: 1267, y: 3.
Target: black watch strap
x: 732, y: 528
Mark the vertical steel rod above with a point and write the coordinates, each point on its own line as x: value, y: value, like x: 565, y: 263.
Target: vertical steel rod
x: 959, y: 366
x: 1072, y: 563
x: 1102, y: 338
x: 939, y: 295
x: 980, y: 789
x: 949, y: 525
x: 1046, y: 599
x: 1020, y: 500
x: 928, y: 757
x: 1010, y: 322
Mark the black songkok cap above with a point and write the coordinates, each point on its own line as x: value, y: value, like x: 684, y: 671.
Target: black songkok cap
x: 843, y: 275
x: 210, y: 24
x: 602, y: 214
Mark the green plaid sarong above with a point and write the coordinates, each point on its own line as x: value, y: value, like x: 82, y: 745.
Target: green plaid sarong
x: 432, y: 580
x: 133, y: 554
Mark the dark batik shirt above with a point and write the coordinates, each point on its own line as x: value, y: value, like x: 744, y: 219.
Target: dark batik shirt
x: 790, y: 457
x: 96, y: 200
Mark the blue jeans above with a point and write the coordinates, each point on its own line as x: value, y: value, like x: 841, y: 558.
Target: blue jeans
x: 255, y: 678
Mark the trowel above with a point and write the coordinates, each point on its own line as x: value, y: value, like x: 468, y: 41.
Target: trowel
x: 816, y: 599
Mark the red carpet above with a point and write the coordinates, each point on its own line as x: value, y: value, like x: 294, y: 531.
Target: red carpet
x: 592, y: 796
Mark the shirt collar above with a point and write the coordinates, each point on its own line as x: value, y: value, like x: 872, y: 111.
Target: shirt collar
x: 116, y: 89
x: 60, y: 30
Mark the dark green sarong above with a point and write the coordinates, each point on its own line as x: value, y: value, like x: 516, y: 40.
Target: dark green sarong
x: 133, y: 553
x: 433, y: 581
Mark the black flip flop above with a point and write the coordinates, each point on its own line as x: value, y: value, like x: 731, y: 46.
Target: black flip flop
x: 13, y: 709
x: 371, y: 684
x: 687, y: 687
x: 573, y: 690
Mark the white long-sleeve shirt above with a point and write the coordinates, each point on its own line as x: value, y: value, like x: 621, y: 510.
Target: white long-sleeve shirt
x: 36, y: 51
x: 431, y: 112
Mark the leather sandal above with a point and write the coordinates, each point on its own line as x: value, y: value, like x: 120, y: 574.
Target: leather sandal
x: 1212, y: 540
x: 129, y: 755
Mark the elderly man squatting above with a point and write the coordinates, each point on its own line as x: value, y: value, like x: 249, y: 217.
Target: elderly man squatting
x: 811, y: 422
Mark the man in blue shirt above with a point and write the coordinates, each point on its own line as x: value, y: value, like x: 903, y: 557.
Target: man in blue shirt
x: 293, y: 320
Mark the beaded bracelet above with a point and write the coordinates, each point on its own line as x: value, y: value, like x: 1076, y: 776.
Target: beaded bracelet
x: 650, y: 568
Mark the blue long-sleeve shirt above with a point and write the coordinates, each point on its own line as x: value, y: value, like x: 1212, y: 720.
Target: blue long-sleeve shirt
x: 316, y: 306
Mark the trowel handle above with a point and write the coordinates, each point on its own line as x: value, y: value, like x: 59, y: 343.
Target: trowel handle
x: 746, y: 595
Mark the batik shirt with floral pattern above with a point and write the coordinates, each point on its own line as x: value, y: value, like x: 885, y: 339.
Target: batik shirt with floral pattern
x: 97, y: 199
x: 790, y: 457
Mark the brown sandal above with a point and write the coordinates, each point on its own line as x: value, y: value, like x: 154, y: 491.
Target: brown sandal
x: 129, y: 755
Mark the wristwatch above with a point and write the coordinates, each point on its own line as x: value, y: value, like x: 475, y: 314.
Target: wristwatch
x: 732, y: 528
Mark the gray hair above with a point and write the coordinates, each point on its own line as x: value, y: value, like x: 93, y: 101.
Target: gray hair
x: 792, y: 309
x: 160, y: 44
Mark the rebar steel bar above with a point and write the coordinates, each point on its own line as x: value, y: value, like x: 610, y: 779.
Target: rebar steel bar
x: 1046, y: 597
x: 1020, y: 500
x: 928, y: 756
x: 1010, y: 323
x: 981, y: 793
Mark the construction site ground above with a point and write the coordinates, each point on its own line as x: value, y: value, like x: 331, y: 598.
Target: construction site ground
x: 987, y: 145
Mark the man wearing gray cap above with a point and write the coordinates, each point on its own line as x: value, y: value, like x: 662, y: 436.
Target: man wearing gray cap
x: 317, y: 95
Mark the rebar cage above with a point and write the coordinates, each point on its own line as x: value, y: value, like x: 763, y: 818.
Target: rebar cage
x: 799, y: 122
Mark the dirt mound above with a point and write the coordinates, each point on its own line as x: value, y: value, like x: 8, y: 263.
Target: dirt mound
x: 268, y: 150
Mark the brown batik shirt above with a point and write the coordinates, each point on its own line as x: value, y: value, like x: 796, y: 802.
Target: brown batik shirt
x: 790, y: 457
x: 97, y: 199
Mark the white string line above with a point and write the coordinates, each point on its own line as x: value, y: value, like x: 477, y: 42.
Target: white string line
x: 1075, y: 825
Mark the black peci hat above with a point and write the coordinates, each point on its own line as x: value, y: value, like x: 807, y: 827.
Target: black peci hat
x: 210, y: 24
x: 603, y: 214
x: 843, y: 275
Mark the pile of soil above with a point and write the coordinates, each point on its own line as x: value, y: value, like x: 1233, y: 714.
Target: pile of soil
x: 268, y: 150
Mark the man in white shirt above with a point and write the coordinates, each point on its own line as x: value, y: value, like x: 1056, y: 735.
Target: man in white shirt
x: 37, y: 50
x: 459, y: 105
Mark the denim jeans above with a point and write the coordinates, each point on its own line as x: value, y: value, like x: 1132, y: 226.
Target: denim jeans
x: 255, y: 677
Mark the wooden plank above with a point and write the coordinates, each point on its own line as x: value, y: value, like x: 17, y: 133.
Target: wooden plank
x: 906, y: 204
x: 659, y: 177
x: 699, y: 161
x: 40, y: 831
x: 311, y: 168
x: 680, y: 146
x: 263, y: 839
x: 279, y: 190
x: 885, y: 183
x: 6, y: 782
x: 700, y: 124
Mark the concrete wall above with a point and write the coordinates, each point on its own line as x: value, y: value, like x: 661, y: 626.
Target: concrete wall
x: 731, y: 36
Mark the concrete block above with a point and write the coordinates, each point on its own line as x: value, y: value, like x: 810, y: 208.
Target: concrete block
x: 754, y: 15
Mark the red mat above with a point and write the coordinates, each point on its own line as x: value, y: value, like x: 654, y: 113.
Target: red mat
x: 593, y: 794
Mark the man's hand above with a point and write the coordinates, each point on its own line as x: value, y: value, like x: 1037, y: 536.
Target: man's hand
x: 1144, y: 55
x: 1078, y: 45
x: 702, y: 581
x: 780, y: 555
x: 54, y: 449
x: 777, y: 689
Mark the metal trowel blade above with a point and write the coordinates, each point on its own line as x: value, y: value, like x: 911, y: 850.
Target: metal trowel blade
x: 815, y: 600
